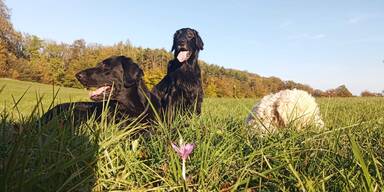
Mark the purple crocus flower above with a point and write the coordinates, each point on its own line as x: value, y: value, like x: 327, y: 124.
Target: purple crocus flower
x: 183, y: 151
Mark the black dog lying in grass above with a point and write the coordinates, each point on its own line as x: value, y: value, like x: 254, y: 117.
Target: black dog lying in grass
x: 118, y: 79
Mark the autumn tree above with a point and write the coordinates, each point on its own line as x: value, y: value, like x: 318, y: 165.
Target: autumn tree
x: 318, y: 93
x: 370, y: 94
x: 10, y: 43
x: 341, y: 91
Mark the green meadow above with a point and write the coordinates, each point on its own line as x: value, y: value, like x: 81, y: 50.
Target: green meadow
x: 347, y: 155
x: 31, y: 93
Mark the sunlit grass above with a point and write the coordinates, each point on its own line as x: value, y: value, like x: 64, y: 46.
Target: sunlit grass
x: 14, y: 89
x: 348, y: 155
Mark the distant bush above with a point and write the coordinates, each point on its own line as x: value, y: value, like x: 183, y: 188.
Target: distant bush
x: 370, y: 94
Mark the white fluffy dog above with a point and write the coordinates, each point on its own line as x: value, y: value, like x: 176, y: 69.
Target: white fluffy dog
x: 286, y: 108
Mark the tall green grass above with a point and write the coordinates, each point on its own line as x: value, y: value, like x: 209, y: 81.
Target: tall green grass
x: 348, y: 155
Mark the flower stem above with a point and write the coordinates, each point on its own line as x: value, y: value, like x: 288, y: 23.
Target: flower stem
x: 183, y: 170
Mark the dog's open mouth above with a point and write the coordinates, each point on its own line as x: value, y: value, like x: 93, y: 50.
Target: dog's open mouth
x: 100, y: 93
x: 183, y: 56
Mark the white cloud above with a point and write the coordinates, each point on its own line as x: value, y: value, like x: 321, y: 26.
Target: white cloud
x: 317, y: 36
x: 363, y: 17
x: 354, y: 20
x: 308, y: 36
x: 286, y: 24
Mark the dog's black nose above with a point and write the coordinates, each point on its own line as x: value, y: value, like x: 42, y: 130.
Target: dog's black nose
x: 80, y: 76
x: 182, y: 46
x: 182, y: 42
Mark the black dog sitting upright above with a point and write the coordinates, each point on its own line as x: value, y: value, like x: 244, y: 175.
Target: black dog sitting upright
x: 119, y: 78
x: 181, y: 88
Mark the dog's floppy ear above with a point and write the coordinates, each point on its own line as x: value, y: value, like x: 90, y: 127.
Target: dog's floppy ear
x: 138, y: 74
x: 132, y: 72
x: 174, y: 41
x: 198, y: 41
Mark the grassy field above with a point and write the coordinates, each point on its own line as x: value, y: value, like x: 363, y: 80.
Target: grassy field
x: 348, y: 155
x: 31, y: 92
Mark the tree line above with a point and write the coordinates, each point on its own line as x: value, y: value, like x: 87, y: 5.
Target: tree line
x: 31, y: 58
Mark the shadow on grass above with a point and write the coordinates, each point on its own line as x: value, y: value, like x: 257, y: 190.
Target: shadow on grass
x: 51, y: 157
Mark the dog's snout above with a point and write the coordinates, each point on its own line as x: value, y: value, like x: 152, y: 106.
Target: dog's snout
x: 182, y: 45
x: 182, y: 42
x: 80, y: 75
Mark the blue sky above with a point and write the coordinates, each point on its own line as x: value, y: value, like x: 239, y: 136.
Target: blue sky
x: 321, y: 43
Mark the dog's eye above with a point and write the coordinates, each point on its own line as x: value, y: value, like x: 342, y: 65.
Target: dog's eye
x: 105, y: 67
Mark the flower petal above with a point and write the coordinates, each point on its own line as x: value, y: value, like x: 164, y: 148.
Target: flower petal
x: 187, y: 150
x: 176, y: 148
x: 189, y: 147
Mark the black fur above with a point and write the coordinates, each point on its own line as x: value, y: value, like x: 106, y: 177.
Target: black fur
x: 181, y: 88
x: 128, y: 97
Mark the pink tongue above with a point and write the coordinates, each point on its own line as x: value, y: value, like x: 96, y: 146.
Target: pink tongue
x: 183, y: 56
x: 98, y: 91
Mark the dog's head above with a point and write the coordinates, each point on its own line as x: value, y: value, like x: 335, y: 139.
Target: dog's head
x: 186, y: 42
x: 113, y: 76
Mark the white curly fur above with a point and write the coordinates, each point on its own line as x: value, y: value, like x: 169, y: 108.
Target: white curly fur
x: 286, y: 108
